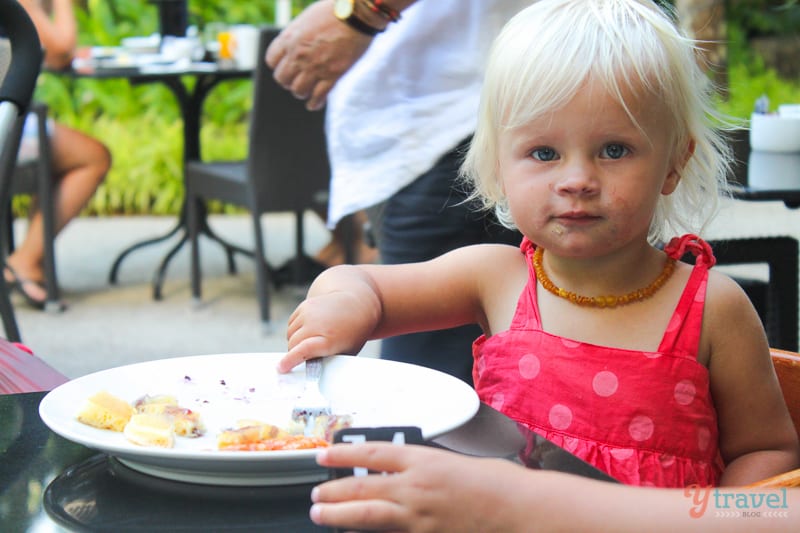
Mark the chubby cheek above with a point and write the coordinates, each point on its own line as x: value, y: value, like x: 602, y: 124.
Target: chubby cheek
x: 628, y: 216
x: 530, y: 216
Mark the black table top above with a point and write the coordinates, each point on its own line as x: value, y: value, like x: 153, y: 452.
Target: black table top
x: 45, y: 479
x: 156, y: 73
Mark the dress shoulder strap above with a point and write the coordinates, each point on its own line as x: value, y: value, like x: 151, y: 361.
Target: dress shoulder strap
x: 680, y: 246
x: 526, y: 314
x: 683, y: 332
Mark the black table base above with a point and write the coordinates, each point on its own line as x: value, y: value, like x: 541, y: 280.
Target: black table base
x: 101, y: 494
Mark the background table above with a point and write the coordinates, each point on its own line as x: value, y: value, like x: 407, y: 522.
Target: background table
x: 46, y: 480
x: 190, y: 98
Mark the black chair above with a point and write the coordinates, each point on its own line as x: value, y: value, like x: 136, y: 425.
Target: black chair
x: 775, y: 300
x: 287, y: 170
x: 18, y: 83
x: 35, y: 177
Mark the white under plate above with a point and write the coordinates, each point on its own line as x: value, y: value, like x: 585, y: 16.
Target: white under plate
x: 225, y: 388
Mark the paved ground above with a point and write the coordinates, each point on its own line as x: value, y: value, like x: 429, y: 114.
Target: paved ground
x: 111, y: 325
x: 107, y: 326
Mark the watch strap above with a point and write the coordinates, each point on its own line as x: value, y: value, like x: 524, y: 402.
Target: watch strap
x: 361, y: 26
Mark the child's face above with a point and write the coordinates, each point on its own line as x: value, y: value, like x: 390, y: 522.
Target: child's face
x: 584, y: 180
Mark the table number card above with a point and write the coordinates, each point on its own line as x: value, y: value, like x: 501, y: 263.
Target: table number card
x: 398, y: 435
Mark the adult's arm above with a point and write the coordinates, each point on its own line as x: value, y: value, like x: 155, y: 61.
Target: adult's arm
x: 316, y: 49
x: 58, y: 34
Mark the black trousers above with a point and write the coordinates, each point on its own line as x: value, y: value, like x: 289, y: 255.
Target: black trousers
x: 424, y: 220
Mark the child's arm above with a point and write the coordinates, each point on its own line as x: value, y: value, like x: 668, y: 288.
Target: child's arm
x: 757, y: 437
x: 348, y: 305
x: 437, y: 490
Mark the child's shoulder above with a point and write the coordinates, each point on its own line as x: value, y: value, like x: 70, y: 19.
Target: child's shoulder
x: 483, y: 260
x: 724, y: 290
x: 490, y: 251
x: 726, y: 304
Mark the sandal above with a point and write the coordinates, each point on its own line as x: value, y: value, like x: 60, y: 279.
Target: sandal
x: 18, y: 284
x: 309, y: 269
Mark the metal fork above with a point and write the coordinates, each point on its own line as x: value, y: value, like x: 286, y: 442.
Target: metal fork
x: 311, y: 402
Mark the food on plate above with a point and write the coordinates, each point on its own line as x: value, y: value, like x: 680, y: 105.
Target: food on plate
x: 186, y: 423
x: 248, y: 432
x: 289, y: 442
x: 154, y: 404
x: 151, y: 429
x: 326, y: 426
x: 252, y: 435
x: 106, y: 411
x: 156, y: 420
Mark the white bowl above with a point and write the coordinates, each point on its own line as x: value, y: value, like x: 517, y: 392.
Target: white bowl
x: 775, y: 133
x: 142, y: 45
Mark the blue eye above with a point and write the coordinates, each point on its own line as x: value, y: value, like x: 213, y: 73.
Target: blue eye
x: 544, y: 154
x: 615, y: 151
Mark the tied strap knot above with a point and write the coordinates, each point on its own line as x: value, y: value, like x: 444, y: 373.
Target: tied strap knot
x: 702, y: 251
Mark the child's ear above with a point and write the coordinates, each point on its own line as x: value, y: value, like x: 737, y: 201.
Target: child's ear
x: 674, y: 176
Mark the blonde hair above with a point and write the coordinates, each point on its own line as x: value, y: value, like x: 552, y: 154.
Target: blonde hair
x: 548, y: 52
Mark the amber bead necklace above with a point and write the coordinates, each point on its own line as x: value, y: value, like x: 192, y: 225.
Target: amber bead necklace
x: 600, y: 301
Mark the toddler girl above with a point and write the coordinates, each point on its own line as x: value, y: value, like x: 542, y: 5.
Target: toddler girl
x: 594, y: 140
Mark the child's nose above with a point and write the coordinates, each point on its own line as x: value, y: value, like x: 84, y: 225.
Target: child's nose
x: 578, y: 178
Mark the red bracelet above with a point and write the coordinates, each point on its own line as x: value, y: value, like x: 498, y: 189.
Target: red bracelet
x: 386, y: 11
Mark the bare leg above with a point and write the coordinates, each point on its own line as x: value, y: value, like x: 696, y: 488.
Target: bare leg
x: 80, y: 164
x: 333, y: 253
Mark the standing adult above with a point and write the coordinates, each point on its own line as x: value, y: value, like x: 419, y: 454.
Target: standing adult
x: 402, y: 82
x: 80, y: 162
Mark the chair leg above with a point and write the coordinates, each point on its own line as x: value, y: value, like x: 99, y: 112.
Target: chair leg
x: 8, y: 245
x: 48, y: 209
x: 349, y: 232
x: 192, y: 221
x: 8, y: 316
x: 262, y: 272
x: 47, y: 206
x: 300, y: 265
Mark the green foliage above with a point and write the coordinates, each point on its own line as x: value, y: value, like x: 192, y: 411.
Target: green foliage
x: 764, y: 17
x: 141, y: 124
x: 747, y: 83
x: 748, y: 77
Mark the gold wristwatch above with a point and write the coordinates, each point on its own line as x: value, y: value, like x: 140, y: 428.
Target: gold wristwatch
x: 345, y: 10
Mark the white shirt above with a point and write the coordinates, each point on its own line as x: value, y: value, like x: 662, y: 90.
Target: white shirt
x: 410, y: 99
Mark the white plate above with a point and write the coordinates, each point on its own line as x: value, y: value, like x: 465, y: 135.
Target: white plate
x: 225, y: 388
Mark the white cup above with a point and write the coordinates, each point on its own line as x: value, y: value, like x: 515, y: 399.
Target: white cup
x: 775, y: 133
x: 245, y: 46
x: 283, y: 13
x: 789, y: 110
x: 772, y: 170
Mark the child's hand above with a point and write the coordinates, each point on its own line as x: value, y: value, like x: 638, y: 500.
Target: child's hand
x: 338, y: 317
x: 427, y: 490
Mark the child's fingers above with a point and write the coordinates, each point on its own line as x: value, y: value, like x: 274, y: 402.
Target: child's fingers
x: 377, y: 456
x: 361, y: 515
x: 304, y: 350
x: 294, y: 323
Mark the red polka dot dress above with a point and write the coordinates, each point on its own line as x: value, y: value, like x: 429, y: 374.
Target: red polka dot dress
x: 645, y: 418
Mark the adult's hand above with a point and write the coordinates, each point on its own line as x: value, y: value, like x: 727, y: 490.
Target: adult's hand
x: 313, y: 52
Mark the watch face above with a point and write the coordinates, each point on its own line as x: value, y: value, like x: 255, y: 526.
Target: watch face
x: 343, y: 8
